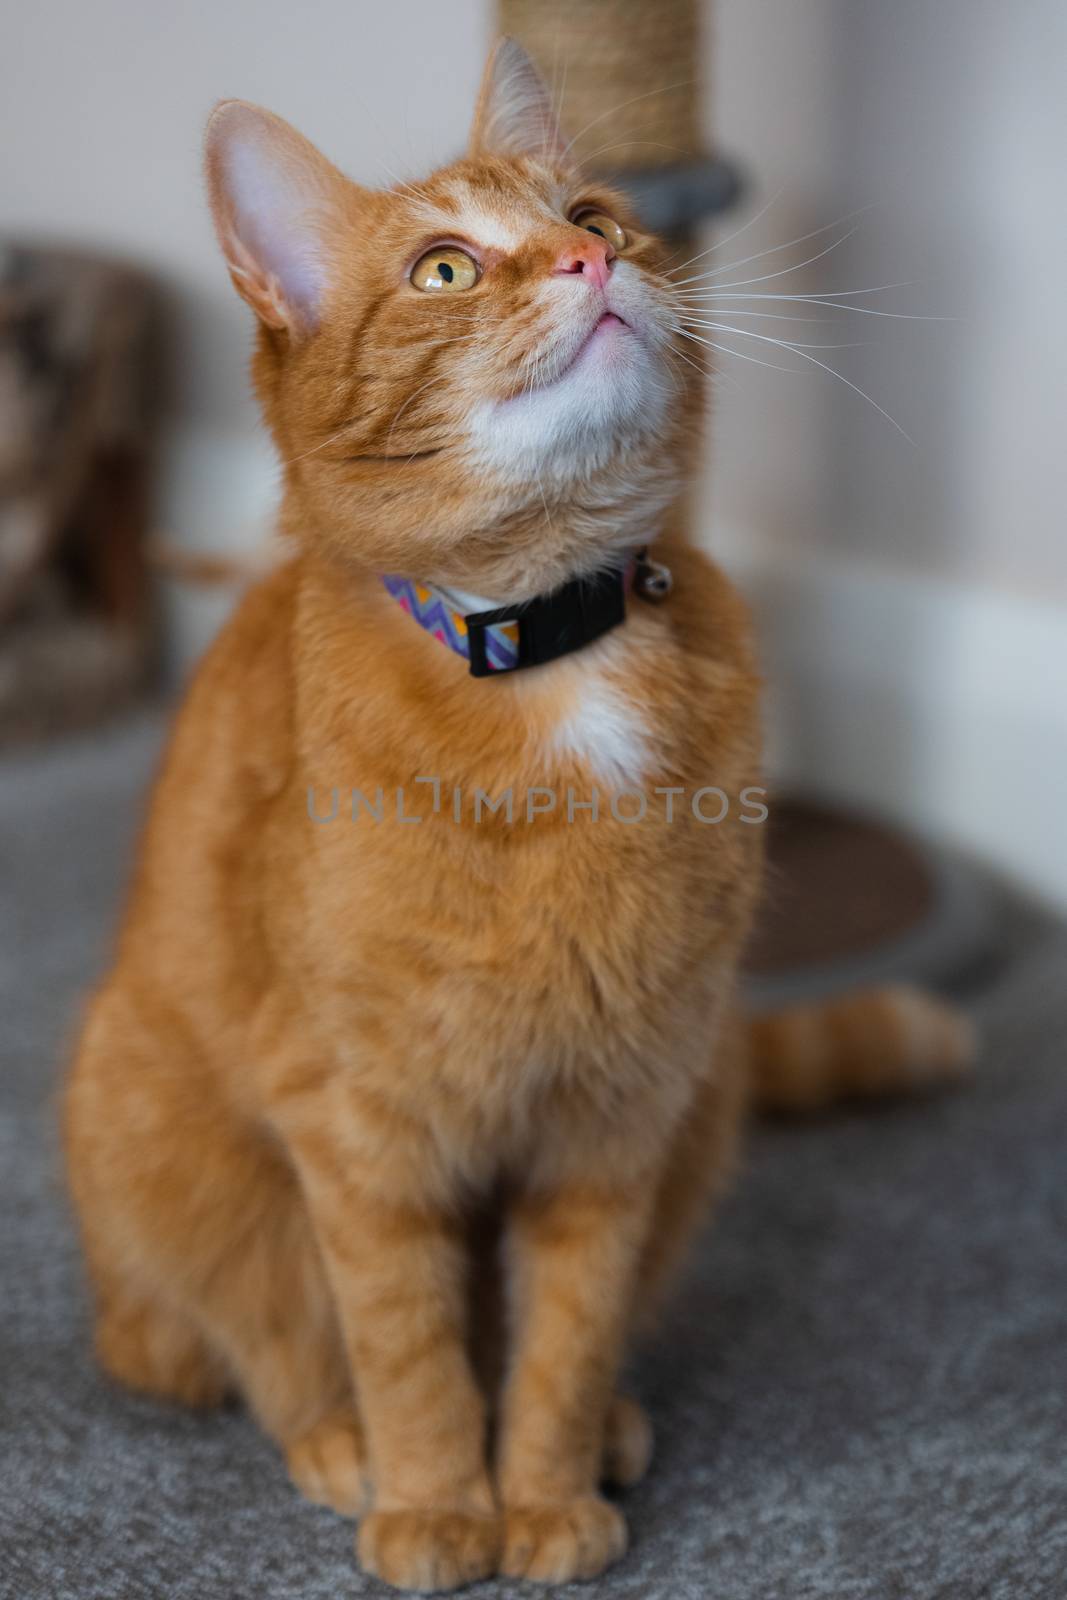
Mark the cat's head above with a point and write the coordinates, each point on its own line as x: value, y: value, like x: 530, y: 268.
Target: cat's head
x: 469, y: 379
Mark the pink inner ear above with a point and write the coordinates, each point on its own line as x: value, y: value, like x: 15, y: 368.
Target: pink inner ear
x: 276, y: 206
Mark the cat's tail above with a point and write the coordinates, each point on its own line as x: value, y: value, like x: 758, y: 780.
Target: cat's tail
x: 206, y: 569
x: 874, y: 1043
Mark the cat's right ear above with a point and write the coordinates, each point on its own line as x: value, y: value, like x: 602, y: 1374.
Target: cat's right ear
x: 515, y: 115
x: 275, y: 200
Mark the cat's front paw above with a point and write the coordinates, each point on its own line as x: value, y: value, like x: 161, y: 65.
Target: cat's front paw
x: 429, y: 1550
x: 555, y: 1543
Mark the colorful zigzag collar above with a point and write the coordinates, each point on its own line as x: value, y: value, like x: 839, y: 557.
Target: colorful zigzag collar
x: 534, y: 631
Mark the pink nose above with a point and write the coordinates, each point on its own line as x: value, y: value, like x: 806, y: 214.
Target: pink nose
x: 591, y: 256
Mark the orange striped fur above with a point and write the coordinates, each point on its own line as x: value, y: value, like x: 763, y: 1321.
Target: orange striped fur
x: 398, y: 1128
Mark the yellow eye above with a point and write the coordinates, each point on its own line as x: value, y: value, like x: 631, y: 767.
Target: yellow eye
x: 445, y: 271
x: 600, y: 222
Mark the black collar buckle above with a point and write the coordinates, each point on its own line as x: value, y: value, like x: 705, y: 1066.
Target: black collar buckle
x: 552, y: 625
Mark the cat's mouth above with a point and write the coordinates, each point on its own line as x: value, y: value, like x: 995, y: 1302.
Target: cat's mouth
x: 608, y: 319
x: 604, y: 328
x: 608, y: 326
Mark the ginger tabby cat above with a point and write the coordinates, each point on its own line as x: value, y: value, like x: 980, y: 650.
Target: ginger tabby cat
x: 398, y: 1128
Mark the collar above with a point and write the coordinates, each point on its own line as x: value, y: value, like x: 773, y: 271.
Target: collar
x: 531, y: 632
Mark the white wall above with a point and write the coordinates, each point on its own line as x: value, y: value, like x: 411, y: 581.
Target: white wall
x: 949, y: 121
x: 913, y: 597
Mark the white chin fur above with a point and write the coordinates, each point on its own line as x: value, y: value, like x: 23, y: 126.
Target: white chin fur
x: 615, y: 397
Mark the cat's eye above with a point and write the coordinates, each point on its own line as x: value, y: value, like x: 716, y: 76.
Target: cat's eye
x: 600, y: 222
x: 445, y: 271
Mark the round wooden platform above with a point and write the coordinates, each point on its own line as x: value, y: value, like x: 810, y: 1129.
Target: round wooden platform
x: 851, y: 900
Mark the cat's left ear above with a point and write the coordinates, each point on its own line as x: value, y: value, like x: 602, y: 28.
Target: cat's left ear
x: 276, y: 202
x: 514, y: 115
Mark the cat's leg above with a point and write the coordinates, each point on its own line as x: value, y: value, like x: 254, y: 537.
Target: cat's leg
x: 258, y: 1319
x: 272, y: 1315
x: 699, y: 1166
x: 262, y: 1296
x: 396, y: 1257
x: 157, y: 1349
x: 575, y: 1254
x: 702, y: 1157
x: 259, y: 1322
x: 627, y: 1442
x: 627, y: 1430
x: 206, y: 1272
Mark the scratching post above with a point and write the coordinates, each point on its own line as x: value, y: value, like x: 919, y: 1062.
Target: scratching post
x: 624, y: 71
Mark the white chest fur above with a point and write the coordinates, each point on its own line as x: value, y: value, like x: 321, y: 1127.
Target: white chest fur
x: 605, y: 730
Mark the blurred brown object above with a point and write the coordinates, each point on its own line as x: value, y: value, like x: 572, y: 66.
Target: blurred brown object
x: 838, y: 886
x: 852, y: 901
x: 75, y: 429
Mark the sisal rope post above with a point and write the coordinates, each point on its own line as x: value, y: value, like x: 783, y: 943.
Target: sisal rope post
x: 625, y: 75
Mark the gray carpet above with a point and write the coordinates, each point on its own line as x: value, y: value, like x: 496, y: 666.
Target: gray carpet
x: 861, y: 1393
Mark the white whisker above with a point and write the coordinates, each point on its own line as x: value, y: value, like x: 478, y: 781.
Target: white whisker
x: 820, y: 300
x: 316, y: 448
x: 793, y: 344
x: 806, y: 355
x: 739, y: 355
x: 766, y: 277
x: 720, y: 244
x: 728, y: 266
x: 769, y: 316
